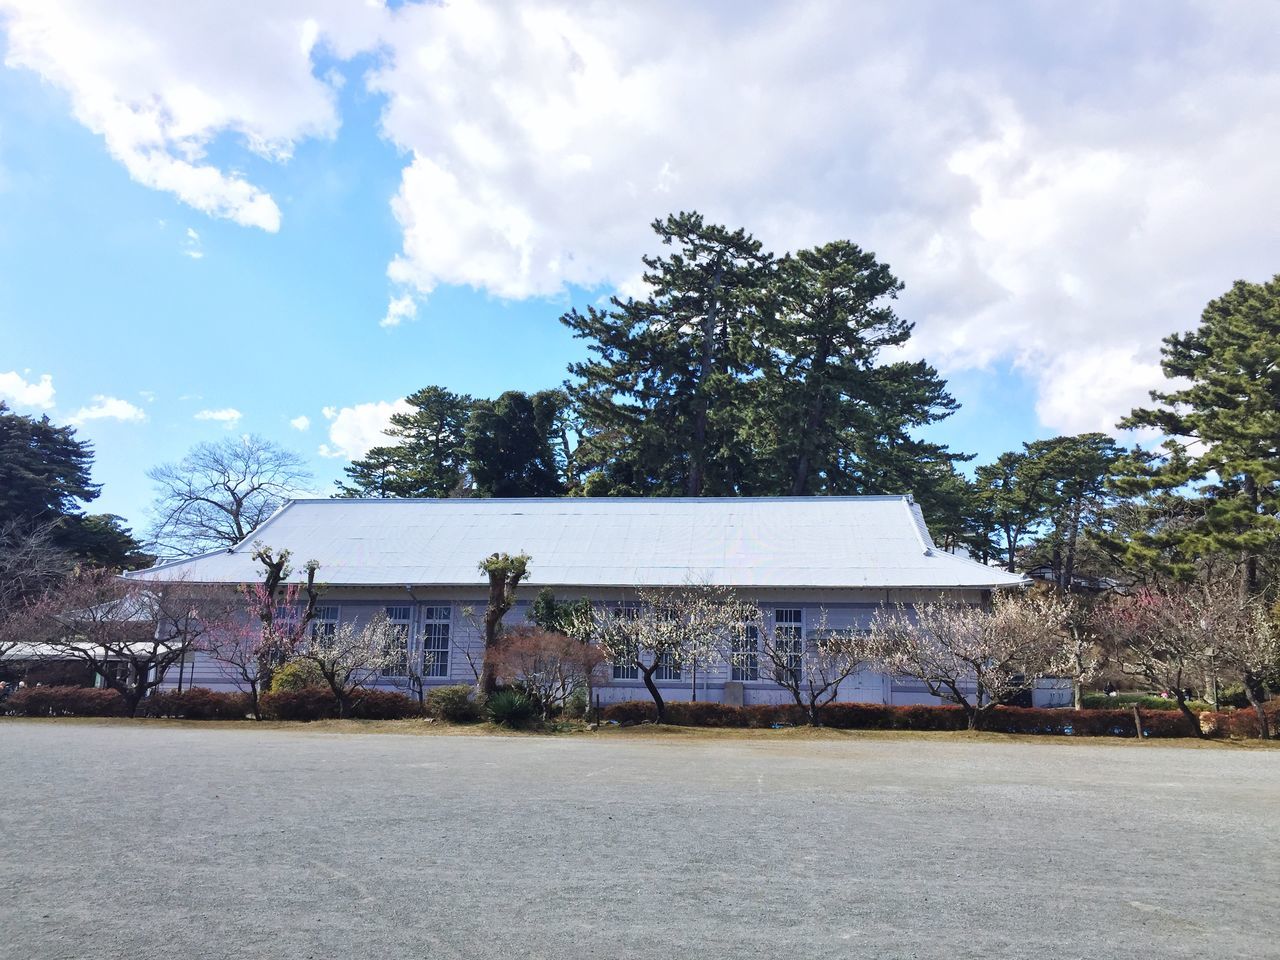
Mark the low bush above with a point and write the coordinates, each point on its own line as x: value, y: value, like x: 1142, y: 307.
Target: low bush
x: 296, y: 675
x: 307, y: 703
x: 453, y: 703
x: 199, y: 703
x: 1143, y: 701
x: 64, y: 702
x: 384, y: 705
x: 511, y: 708
x: 575, y: 708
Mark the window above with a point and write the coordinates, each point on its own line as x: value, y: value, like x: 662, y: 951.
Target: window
x: 744, y: 654
x: 397, y: 664
x: 436, y: 622
x: 325, y: 622
x: 624, y: 667
x: 668, y: 667
x: 788, y: 639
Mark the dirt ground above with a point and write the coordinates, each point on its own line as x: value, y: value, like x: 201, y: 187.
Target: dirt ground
x: 151, y: 839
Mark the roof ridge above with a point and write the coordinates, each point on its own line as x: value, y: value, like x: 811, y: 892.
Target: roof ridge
x: 843, y: 498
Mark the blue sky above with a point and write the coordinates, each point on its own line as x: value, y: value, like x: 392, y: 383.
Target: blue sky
x: 206, y: 213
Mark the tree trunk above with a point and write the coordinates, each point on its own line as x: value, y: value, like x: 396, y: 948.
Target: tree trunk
x: 660, y: 708
x: 1253, y: 690
x: 1077, y: 694
x: 1187, y: 712
x: 800, y: 476
x: 698, y: 455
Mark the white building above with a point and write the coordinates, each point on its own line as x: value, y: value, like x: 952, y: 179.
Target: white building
x: 801, y: 558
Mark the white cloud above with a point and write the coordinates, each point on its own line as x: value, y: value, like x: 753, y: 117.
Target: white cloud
x: 229, y: 416
x: 21, y: 392
x: 1058, y: 186
x: 398, y: 310
x: 108, y: 408
x: 160, y: 82
x: 301, y: 423
x: 354, y: 430
x: 191, y: 245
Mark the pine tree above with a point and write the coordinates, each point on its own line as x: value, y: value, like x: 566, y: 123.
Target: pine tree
x: 661, y: 399
x: 428, y: 455
x: 510, y: 444
x: 1223, y: 430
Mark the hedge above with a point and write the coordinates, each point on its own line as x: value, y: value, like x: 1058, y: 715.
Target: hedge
x: 319, y: 703
x: 199, y: 703
x: 64, y: 702
x: 874, y: 716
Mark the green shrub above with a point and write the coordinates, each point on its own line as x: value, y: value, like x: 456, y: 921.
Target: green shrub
x: 575, y: 708
x: 296, y: 675
x: 511, y: 708
x: 453, y: 703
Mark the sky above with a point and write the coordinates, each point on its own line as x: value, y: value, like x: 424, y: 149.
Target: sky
x: 227, y: 217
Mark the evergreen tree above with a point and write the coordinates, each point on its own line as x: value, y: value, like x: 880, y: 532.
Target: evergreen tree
x: 1223, y: 430
x: 661, y: 399
x: 44, y: 479
x: 427, y: 457
x: 511, y: 447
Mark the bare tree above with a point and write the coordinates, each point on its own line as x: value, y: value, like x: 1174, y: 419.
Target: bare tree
x: 1082, y: 653
x: 550, y: 667
x: 349, y: 658
x: 810, y: 668
x: 219, y: 493
x: 971, y: 656
x: 130, y: 634
x: 30, y: 564
x: 1163, y: 639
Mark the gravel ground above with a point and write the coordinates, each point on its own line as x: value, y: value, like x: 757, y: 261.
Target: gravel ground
x: 194, y: 842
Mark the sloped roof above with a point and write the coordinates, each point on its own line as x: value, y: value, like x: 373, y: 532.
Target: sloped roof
x: 613, y: 542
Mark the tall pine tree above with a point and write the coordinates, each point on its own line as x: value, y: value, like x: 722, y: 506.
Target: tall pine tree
x: 1223, y: 430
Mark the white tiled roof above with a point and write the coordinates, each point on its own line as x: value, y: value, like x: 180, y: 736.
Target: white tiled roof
x: 617, y: 542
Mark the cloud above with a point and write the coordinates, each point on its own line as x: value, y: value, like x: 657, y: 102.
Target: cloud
x: 398, y: 310
x: 354, y: 430
x: 229, y: 416
x: 108, y: 408
x: 161, y: 83
x: 20, y: 392
x: 191, y: 245
x: 301, y: 423
x: 1059, y: 187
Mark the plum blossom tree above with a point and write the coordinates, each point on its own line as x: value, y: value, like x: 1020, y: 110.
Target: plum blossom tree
x: 974, y: 657
x: 810, y: 668
x: 349, y: 657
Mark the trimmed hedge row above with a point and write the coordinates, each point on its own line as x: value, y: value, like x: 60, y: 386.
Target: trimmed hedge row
x: 199, y: 703
x: 64, y: 702
x: 319, y: 703
x: 874, y: 716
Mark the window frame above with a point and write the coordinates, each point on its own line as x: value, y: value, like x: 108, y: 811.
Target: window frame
x: 435, y: 615
x: 795, y: 651
x: 404, y: 625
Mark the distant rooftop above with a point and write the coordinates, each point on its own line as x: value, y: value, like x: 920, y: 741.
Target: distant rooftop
x: 865, y: 542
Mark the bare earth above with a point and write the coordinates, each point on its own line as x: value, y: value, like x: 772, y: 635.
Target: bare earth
x: 167, y: 841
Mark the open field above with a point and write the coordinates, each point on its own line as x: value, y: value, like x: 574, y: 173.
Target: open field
x: 239, y: 840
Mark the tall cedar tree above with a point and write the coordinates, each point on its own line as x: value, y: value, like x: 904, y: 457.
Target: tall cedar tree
x: 1224, y: 433
x: 660, y: 399
x: 428, y: 455
x: 513, y: 443
x: 44, y: 477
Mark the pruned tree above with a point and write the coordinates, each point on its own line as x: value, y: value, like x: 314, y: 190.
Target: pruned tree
x: 349, y: 657
x: 128, y: 633
x: 968, y: 655
x: 1082, y: 653
x: 810, y: 668
x: 266, y: 627
x: 505, y: 573
x: 219, y: 493
x: 549, y: 667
